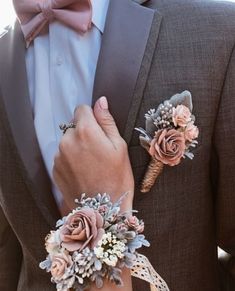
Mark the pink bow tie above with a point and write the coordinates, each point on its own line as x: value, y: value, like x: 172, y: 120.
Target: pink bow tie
x: 35, y: 14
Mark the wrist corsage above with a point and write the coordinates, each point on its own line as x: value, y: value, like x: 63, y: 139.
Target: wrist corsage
x: 94, y: 243
x: 169, y: 135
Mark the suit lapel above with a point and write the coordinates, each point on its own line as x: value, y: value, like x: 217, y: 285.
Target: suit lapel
x: 127, y: 49
x: 21, y: 125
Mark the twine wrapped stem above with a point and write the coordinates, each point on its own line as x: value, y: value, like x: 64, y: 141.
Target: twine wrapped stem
x: 155, y: 168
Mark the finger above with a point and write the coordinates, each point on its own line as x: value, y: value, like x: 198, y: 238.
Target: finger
x: 83, y: 114
x: 105, y: 119
x: 85, y: 121
x: 66, y: 140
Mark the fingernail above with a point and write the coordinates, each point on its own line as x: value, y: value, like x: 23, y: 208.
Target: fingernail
x: 103, y: 103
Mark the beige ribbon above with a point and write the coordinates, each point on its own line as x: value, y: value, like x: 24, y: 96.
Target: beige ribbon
x: 143, y: 270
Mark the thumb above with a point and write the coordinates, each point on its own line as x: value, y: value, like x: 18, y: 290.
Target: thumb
x: 105, y: 119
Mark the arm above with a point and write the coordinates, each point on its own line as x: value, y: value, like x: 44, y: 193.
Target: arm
x: 93, y: 158
x: 223, y: 168
x: 10, y: 256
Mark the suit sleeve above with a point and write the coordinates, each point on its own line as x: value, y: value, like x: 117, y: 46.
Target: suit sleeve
x: 223, y: 177
x: 10, y: 256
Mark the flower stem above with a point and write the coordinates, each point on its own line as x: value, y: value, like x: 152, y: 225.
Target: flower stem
x: 155, y: 168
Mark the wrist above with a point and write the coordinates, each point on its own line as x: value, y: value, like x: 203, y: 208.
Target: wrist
x: 127, y: 283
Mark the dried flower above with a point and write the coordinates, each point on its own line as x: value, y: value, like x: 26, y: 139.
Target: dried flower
x: 53, y: 242
x: 86, y: 263
x: 110, y: 249
x: 134, y: 223
x: 191, y: 131
x: 81, y: 229
x: 60, y: 262
x: 168, y: 146
x: 103, y: 209
x: 164, y: 116
x: 181, y: 116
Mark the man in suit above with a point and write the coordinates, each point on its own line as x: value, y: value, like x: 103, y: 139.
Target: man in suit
x: 148, y: 53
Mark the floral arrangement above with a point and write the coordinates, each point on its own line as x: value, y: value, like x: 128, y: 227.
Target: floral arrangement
x: 93, y: 243
x: 169, y: 136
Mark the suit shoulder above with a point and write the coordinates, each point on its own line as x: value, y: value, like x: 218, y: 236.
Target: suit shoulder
x: 201, y: 19
x: 5, y: 35
x: 4, y: 31
x: 203, y: 5
x: 213, y: 11
x: 8, y: 35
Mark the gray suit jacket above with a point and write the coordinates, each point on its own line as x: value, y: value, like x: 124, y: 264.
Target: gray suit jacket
x: 148, y: 53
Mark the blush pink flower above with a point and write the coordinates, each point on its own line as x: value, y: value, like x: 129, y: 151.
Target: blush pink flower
x: 103, y: 209
x: 134, y: 223
x: 168, y: 146
x: 60, y: 262
x: 181, y: 116
x: 83, y: 228
x: 191, y: 131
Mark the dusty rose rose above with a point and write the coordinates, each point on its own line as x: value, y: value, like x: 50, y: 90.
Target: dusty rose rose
x: 191, y: 132
x: 83, y: 228
x: 168, y: 146
x: 60, y: 262
x: 103, y: 209
x: 134, y: 223
x: 181, y: 115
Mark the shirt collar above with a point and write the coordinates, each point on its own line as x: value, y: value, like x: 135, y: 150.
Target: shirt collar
x: 99, y: 12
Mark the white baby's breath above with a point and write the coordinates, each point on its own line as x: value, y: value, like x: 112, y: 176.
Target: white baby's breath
x: 110, y: 249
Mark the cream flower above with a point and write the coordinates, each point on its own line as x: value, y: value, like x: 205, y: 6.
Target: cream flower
x: 110, y: 249
x: 53, y: 242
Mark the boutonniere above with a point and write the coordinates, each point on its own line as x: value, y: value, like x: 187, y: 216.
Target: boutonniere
x: 170, y: 134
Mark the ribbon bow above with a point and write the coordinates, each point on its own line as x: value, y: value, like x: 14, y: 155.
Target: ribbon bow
x: 34, y: 15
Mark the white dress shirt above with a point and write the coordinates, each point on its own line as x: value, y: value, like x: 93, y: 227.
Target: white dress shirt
x: 61, y: 65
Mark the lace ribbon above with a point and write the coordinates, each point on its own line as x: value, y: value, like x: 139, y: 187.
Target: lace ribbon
x: 143, y: 270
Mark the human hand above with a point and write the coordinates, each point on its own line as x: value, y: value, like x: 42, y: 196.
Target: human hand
x: 93, y: 157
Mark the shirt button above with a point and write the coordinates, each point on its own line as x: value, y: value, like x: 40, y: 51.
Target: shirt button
x: 59, y: 61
